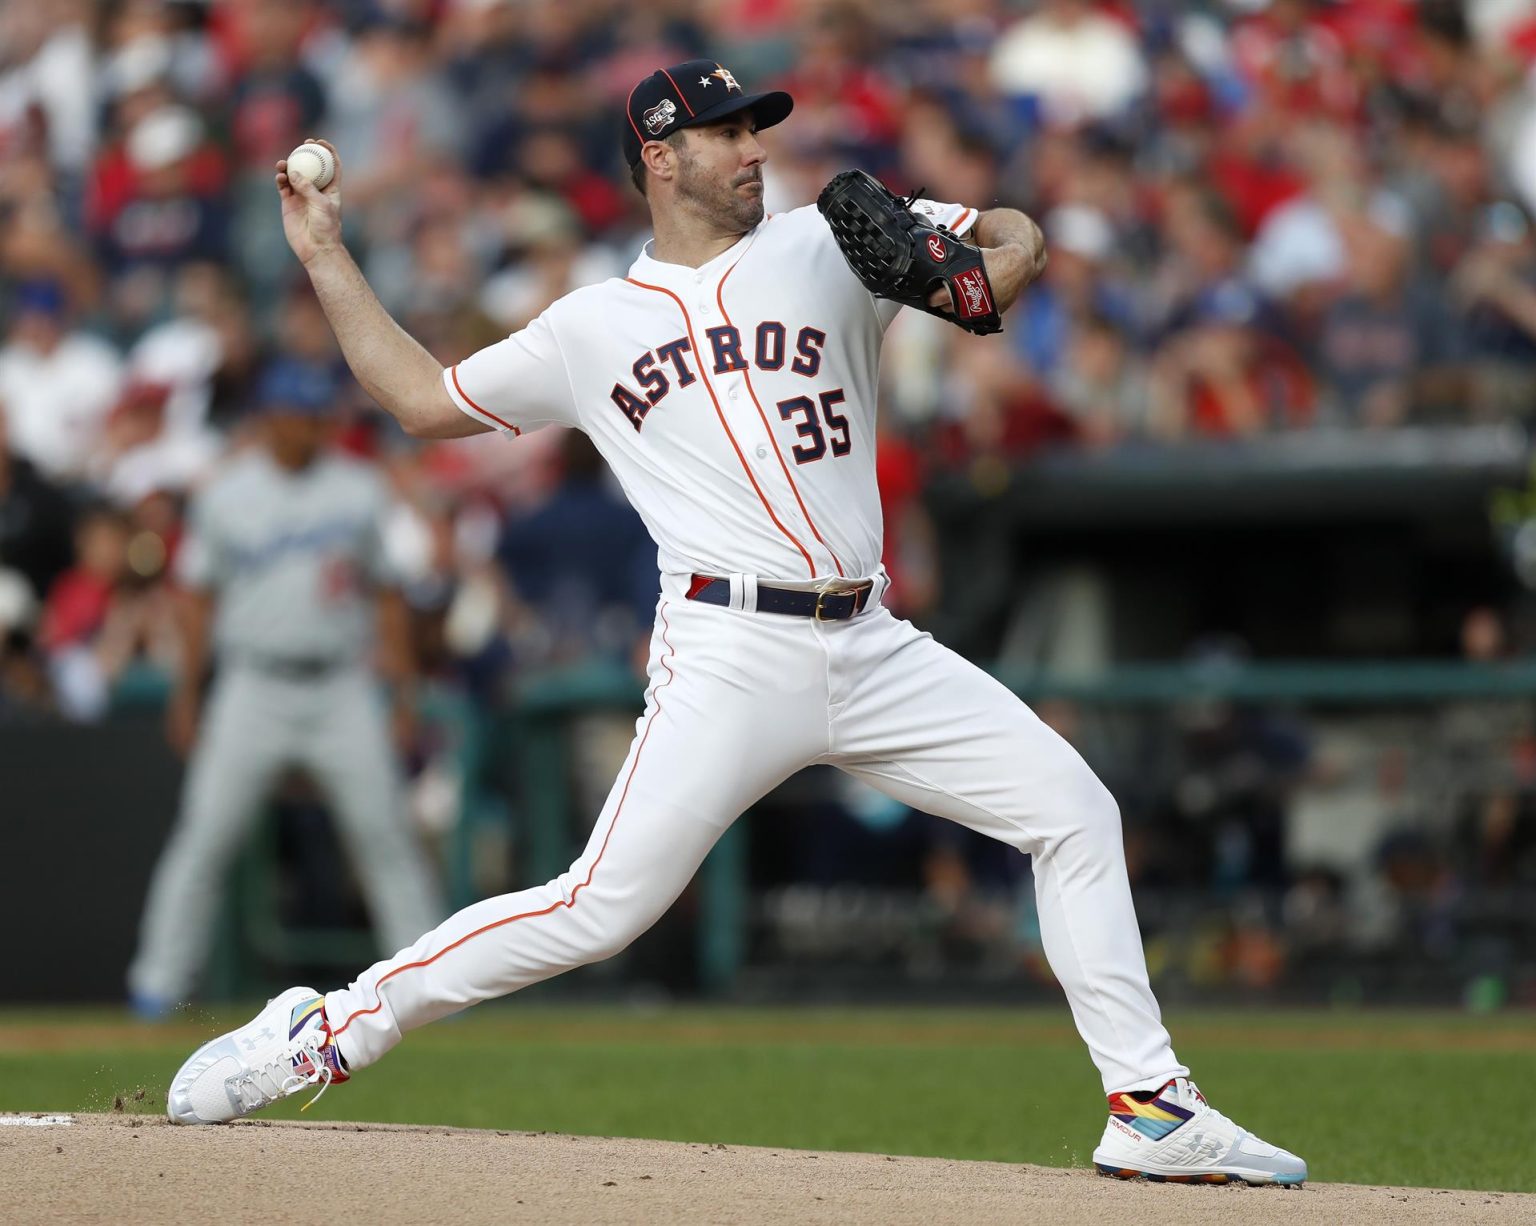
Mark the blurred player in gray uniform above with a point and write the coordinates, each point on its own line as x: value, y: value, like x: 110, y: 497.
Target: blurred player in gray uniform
x: 284, y: 562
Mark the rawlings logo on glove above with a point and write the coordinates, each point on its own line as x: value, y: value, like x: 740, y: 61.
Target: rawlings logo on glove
x: 904, y: 257
x: 975, y: 293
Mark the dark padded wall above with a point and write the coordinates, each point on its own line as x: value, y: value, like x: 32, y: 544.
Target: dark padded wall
x: 83, y: 814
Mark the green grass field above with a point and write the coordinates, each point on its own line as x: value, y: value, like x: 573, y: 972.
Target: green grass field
x: 1428, y: 1099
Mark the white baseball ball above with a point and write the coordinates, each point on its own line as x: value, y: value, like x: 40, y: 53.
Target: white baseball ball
x: 313, y: 162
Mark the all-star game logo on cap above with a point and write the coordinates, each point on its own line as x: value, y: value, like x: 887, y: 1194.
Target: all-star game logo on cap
x: 688, y: 95
x: 660, y: 115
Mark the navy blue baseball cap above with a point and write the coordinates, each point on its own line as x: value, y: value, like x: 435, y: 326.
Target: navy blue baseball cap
x: 689, y: 94
x: 291, y: 386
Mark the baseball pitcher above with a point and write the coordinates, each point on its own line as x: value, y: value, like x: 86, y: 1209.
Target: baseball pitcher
x: 730, y: 382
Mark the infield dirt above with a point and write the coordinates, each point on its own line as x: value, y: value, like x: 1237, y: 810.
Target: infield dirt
x: 140, y: 1169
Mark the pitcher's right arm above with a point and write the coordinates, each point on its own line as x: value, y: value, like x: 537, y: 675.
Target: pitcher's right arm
x: 392, y: 367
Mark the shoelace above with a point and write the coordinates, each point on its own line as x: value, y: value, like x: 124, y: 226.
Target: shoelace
x: 325, y: 1076
x: 260, y: 1086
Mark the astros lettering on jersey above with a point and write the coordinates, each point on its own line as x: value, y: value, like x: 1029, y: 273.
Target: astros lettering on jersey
x: 735, y: 402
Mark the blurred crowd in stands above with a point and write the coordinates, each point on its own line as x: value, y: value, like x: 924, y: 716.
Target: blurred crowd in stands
x: 1262, y: 216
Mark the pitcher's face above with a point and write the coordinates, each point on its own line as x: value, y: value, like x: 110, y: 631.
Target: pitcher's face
x: 720, y: 173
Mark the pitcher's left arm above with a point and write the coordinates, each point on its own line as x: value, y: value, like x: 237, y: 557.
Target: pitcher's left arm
x: 1012, y: 250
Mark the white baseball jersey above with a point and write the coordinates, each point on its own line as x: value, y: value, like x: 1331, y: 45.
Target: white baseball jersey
x: 294, y: 556
x: 735, y: 402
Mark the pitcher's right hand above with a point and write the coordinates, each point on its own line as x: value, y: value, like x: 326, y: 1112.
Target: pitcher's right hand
x: 311, y: 215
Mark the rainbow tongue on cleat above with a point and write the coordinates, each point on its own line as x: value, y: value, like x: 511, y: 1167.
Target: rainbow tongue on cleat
x: 1156, y: 1113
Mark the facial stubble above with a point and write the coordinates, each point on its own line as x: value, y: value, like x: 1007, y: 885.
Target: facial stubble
x: 720, y: 202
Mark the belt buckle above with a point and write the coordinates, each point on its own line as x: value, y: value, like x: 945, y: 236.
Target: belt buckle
x: 852, y: 590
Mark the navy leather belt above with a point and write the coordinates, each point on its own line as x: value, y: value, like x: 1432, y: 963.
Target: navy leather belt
x: 823, y: 606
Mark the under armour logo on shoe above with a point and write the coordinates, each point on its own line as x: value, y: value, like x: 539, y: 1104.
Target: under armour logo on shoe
x: 255, y: 1041
x: 1203, y: 1147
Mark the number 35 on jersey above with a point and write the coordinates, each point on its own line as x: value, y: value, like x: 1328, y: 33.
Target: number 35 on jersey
x: 768, y: 347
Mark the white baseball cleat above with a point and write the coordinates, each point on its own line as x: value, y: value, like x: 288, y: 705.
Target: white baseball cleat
x: 1173, y: 1135
x: 287, y: 1047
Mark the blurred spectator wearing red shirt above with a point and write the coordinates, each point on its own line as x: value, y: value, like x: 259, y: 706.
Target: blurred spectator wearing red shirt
x: 1295, y: 60
x: 1227, y: 376
x: 1250, y: 167
x: 109, y: 609
x: 76, y: 613
x: 551, y: 160
x: 157, y: 203
x: 842, y: 99
x: 77, y: 602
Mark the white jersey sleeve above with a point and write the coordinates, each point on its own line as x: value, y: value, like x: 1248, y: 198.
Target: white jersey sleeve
x: 517, y: 384
x: 959, y: 219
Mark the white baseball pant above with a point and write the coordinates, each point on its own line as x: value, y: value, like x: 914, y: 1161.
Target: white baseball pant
x: 737, y: 702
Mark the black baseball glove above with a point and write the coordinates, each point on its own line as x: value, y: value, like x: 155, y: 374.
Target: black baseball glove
x: 904, y: 257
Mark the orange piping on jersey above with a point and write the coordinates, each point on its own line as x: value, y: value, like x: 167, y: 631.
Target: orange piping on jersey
x: 338, y: 1031
x: 960, y: 224
x: 699, y: 357
x: 453, y: 373
x: 772, y: 438
x: 681, y: 97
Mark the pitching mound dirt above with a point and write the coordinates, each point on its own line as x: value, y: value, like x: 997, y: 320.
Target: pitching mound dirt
x: 141, y: 1169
